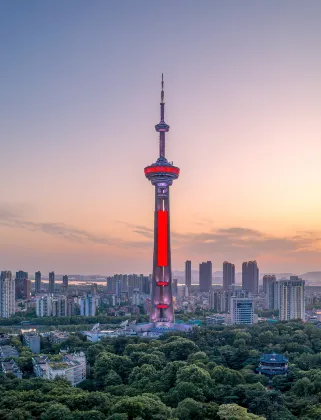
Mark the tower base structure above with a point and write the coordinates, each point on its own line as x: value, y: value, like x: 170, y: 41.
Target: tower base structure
x: 154, y: 329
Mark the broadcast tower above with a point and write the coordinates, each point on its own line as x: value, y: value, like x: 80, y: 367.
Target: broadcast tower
x: 162, y: 174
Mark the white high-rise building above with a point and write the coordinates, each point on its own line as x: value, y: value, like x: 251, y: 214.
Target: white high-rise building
x: 7, y: 294
x: 88, y: 305
x: 291, y: 298
x: 136, y: 297
x: 44, y: 305
x: 59, y: 306
x: 242, y: 310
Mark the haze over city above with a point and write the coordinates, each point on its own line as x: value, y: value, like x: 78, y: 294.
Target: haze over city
x: 79, y: 101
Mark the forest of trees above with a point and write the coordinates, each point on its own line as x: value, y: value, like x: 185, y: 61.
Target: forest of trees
x: 207, y: 374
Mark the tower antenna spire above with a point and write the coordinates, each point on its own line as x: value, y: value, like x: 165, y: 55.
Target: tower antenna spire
x: 162, y: 127
x: 162, y: 92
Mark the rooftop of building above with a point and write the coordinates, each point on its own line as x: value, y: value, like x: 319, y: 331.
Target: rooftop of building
x: 9, y: 366
x: 59, y: 365
x: 41, y: 359
x: 59, y: 333
x: 274, y: 358
x: 8, y: 351
x: 30, y: 334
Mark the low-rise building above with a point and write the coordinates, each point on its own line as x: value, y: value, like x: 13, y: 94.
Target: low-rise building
x: 11, y: 367
x: 95, y: 336
x: 32, y: 340
x: 72, y: 367
x: 40, y: 366
x: 6, y: 352
x: 218, y: 319
x: 4, y: 339
x: 273, y: 364
x: 57, y: 337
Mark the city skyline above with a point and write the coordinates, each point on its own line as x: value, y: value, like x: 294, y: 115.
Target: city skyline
x: 77, y: 113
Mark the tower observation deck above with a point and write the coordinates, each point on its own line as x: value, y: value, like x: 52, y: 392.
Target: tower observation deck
x: 161, y: 174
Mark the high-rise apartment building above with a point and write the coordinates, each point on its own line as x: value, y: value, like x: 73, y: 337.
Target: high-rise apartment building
x: 22, y: 285
x: 65, y: 282
x: 38, y: 282
x: 250, y: 277
x: 242, y: 310
x: 188, y: 274
x: 118, y: 288
x: 136, y: 297
x: 88, y: 305
x: 267, y: 279
x: 94, y: 289
x: 44, y: 306
x: 205, y: 276
x: 59, y: 306
x: 270, y: 290
x: 291, y: 298
x: 220, y: 300
x: 52, y: 282
x: 7, y: 294
x: 228, y: 276
x: 51, y: 306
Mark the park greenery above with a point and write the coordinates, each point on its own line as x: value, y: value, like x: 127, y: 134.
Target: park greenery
x: 209, y: 373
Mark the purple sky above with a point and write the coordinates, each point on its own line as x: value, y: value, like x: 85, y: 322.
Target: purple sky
x: 79, y: 98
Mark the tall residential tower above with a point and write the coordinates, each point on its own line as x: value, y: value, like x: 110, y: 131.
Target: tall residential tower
x: 38, y: 282
x: 188, y: 274
x: 205, y: 276
x: 161, y: 174
x: 52, y: 282
x: 250, y: 277
x: 228, y: 276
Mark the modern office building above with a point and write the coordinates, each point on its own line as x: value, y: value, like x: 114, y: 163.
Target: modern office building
x: 188, y: 274
x: 7, y: 294
x: 205, y: 276
x: 37, y: 282
x: 228, y: 276
x: 161, y: 174
x: 22, y: 285
x: 291, y: 299
x: 242, y: 310
x: 250, y: 277
x: 52, y: 282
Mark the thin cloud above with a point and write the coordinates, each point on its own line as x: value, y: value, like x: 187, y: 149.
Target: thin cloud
x: 12, y: 220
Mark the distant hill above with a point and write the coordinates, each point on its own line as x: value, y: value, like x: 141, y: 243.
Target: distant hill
x: 312, y: 276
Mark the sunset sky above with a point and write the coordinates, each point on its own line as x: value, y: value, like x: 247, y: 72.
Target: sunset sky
x: 79, y: 98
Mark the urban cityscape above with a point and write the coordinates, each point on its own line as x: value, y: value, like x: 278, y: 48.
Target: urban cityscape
x: 225, y: 324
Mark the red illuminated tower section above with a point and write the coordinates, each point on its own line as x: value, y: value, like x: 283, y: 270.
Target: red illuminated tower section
x: 161, y: 174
